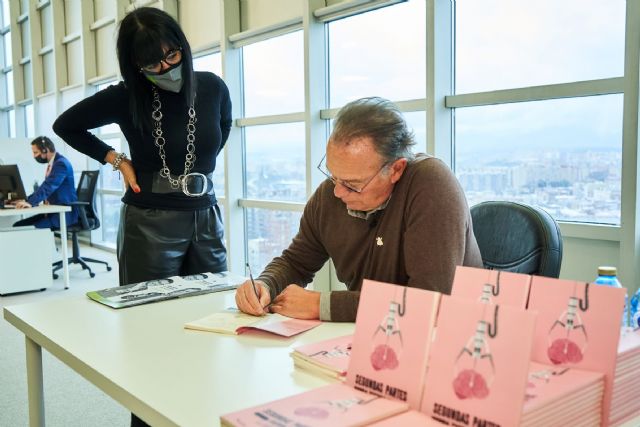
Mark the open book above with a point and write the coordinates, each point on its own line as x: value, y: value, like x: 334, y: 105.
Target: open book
x: 164, y: 289
x: 235, y: 322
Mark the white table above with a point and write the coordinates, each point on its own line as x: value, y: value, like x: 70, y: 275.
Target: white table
x: 48, y: 209
x: 144, y: 359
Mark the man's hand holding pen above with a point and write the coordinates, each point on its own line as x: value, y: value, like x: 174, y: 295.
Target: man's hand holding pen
x: 253, y: 297
x: 253, y: 300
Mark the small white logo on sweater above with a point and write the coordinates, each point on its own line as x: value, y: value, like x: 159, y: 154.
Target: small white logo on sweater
x: 379, y: 241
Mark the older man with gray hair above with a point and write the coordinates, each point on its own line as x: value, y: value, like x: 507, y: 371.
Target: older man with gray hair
x: 383, y: 214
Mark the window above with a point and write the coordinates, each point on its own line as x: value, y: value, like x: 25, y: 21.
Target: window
x: 213, y: 63
x: 540, y: 146
x: 563, y: 155
x: 274, y: 76
x: 537, y: 43
x: 276, y: 162
x: 273, y: 72
x: 110, y: 186
x: 268, y: 233
x: 29, y: 121
x: 390, y: 47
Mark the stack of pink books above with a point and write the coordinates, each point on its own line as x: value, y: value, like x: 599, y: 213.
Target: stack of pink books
x: 329, y: 357
x: 561, y: 396
x: 625, y: 404
x: 577, y: 327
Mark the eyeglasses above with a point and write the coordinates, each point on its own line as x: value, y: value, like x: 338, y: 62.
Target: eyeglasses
x: 171, y: 57
x: 322, y: 167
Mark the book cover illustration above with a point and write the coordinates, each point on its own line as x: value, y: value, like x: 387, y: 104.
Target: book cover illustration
x: 578, y: 326
x: 329, y: 406
x: 491, y: 286
x: 479, y: 363
x: 167, y: 288
x: 393, y: 332
x: 567, y: 339
x: 234, y: 322
x: 330, y: 356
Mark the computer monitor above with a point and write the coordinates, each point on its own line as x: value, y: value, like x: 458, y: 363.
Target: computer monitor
x: 11, y: 187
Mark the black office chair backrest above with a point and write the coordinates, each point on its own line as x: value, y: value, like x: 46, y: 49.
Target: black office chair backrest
x: 86, y: 193
x: 517, y: 237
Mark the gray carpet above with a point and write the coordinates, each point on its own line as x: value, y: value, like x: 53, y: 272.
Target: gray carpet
x: 70, y: 400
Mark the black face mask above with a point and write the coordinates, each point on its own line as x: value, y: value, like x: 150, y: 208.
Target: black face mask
x: 39, y: 159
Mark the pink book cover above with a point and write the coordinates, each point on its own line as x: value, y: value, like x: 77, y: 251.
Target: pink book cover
x: 548, y: 383
x: 333, y: 353
x: 578, y: 326
x: 479, y: 363
x: 492, y: 286
x: 286, y: 328
x: 408, y: 419
x: 391, y: 342
x: 328, y: 406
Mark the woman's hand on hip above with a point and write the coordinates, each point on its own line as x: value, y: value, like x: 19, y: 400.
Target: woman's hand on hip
x: 129, y: 175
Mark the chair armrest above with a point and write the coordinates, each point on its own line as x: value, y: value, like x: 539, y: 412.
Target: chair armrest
x: 79, y: 204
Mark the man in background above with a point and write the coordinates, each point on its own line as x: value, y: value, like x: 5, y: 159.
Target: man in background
x: 58, y: 187
x: 384, y: 214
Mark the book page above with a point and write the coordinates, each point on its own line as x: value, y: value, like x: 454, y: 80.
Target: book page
x: 225, y: 322
x: 235, y: 322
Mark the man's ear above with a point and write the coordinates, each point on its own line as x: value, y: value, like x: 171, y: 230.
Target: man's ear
x: 397, y: 169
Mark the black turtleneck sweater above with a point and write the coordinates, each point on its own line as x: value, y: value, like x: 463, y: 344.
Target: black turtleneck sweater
x: 111, y: 105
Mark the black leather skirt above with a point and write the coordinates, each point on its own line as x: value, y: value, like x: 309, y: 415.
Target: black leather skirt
x: 157, y: 243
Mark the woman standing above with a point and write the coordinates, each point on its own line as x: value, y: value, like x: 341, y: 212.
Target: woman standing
x: 176, y: 121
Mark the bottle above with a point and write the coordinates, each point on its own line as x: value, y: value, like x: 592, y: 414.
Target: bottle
x: 608, y: 276
x: 634, y: 310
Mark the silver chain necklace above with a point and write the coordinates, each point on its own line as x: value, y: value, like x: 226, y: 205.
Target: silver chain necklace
x: 190, y: 157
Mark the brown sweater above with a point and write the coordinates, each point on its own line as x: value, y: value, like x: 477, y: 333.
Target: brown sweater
x: 418, y: 239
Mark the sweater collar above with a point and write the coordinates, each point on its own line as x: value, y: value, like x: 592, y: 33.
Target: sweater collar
x: 367, y: 214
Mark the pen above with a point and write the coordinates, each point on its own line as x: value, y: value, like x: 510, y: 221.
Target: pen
x: 253, y: 283
x: 255, y: 290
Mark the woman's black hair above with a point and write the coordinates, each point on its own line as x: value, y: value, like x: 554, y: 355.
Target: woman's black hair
x: 142, y: 35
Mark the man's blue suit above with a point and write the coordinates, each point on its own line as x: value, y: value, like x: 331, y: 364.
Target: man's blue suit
x: 58, y: 188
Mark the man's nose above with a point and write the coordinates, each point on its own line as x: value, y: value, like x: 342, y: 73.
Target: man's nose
x: 163, y: 65
x: 340, y: 190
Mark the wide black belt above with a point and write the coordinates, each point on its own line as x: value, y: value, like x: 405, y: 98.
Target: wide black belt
x: 194, y: 184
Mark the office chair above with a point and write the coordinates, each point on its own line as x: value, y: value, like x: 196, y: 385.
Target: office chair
x: 88, y: 220
x: 517, y: 237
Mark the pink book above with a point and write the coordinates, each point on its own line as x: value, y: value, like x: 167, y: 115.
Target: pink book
x: 408, y: 419
x: 478, y: 364
x: 394, y: 326
x: 492, y: 286
x: 328, y: 406
x: 578, y: 326
x: 548, y: 384
x: 329, y: 357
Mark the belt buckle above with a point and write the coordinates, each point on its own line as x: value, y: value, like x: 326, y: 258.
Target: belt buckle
x: 185, y: 187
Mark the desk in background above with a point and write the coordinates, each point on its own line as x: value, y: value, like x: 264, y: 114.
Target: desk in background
x: 47, y: 209
x: 143, y: 357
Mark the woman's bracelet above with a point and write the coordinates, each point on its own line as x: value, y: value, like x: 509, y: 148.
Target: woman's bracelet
x: 118, y: 160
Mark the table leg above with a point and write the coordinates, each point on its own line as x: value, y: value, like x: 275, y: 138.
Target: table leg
x: 63, y: 242
x: 34, y: 382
